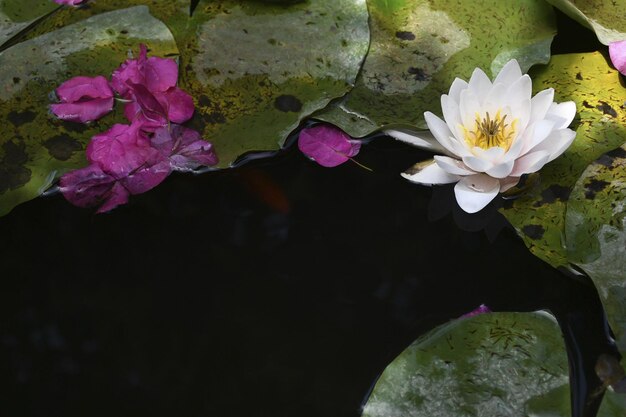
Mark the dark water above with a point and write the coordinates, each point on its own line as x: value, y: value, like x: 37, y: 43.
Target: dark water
x: 278, y: 289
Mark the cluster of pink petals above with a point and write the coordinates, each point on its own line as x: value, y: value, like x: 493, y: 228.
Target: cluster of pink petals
x: 134, y: 158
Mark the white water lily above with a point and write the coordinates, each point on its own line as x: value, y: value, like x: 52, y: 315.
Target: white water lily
x: 492, y: 134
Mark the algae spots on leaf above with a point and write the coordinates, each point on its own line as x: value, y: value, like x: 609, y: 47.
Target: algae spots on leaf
x: 13, y: 173
x: 62, y: 147
x: 288, y: 103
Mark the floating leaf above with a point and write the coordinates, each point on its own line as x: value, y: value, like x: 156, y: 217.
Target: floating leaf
x: 588, y: 80
x: 498, y: 364
x: 595, y: 232
x: 605, y: 17
x: 35, y: 147
x: 419, y: 47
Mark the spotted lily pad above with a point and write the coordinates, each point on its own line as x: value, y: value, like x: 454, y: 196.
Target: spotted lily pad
x: 35, y: 147
x: 499, y: 364
x: 589, y: 80
x: 419, y: 47
x: 605, y: 17
x: 595, y: 232
x: 17, y: 15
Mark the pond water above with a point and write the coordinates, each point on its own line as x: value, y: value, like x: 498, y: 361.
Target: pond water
x: 280, y: 288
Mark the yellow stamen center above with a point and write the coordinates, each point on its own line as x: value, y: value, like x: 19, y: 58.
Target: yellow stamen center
x: 488, y: 132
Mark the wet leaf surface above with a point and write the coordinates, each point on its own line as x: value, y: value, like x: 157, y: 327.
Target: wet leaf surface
x: 505, y: 364
x: 36, y: 147
x: 419, y: 47
x: 605, y: 17
x: 587, y: 79
x: 595, y: 234
x: 16, y: 15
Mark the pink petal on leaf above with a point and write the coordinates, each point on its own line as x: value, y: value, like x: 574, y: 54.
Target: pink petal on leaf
x: 178, y: 103
x: 117, y: 196
x: 327, y: 145
x: 617, y: 52
x: 80, y: 87
x: 130, y: 71
x: 122, y: 150
x: 70, y: 2
x: 160, y: 74
x: 147, y: 177
x: 184, y: 147
x: 83, y: 112
x: 83, y: 99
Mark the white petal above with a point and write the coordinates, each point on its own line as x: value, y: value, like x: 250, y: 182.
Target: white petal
x: 562, y: 114
x: 501, y: 170
x: 509, y: 73
x: 451, y: 115
x: 493, y: 154
x: 540, y: 104
x: 479, y: 84
x: 457, y: 86
x: 516, y: 148
x: 520, y: 90
x: 474, y: 192
x: 440, y: 130
x: 565, y: 139
x: 521, y: 111
x: 429, y: 173
x: 536, y: 134
x: 496, y: 99
x: 469, y: 106
x: 529, y: 163
x: 556, y: 143
x: 476, y: 163
x: 421, y: 139
x: 508, y: 183
x: 453, y: 166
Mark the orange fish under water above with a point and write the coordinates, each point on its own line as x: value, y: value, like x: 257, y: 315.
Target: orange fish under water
x: 266, y: 189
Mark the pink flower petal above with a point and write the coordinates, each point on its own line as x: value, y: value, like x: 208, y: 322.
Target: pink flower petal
x: 178, y: 104
x: 121, y: 150
x: 160, y: 74
x: 80, y: 87
x: 617, y: 52
x: 146, y: 177
x: 117, y: 196
x: 184, y: 147
x: 130, y: 71
x: 70, y: 2
x: 83, y: 112
x: 83, y: 99
x: 327, y: 145
x: 86, y: 187
x: 481, y: 309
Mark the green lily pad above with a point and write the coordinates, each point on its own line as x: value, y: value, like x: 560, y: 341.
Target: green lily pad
x: 595, y: 232
x: 497, y: 364
x: 35, y: 147
x: 17, y: 15
x: 605, y: 17
x: 600, y: 125
x: 419, y: 47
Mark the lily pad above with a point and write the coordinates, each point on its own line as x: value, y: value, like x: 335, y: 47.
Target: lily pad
x: 419, y: 47
x: 595, y: 233
x: 35, y: 147
x: 605, y: 17
x: 498, y: 364
x: 17, y: 15
x: 600, y: 125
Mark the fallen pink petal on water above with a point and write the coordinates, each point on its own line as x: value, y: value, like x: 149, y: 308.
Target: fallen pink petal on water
x: 83, y: 99
x: 481, y: 309
x: 327, y: 145
x: 617, y: 52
